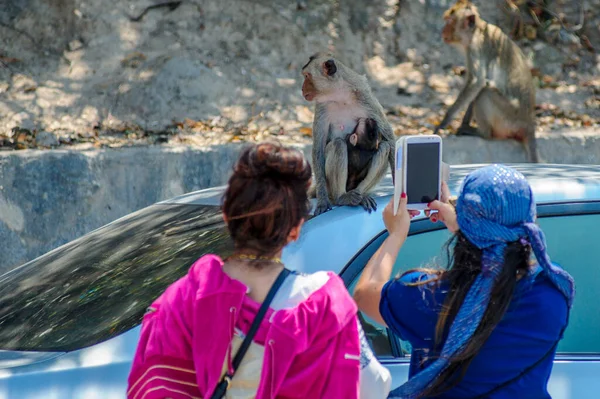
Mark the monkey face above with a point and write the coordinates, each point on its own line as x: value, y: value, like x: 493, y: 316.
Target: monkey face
x: 309, y: 91
x: 448, y: 31
x: 460, y: 23
x: 319, y: 76
x: 459, y: 30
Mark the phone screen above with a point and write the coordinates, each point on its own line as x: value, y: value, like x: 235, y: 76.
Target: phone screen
x: 422, y: 172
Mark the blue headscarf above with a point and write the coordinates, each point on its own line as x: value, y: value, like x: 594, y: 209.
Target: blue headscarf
x: 495, y: 207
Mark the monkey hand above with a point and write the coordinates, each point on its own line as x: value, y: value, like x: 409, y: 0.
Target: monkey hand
x: 356, y: 198
x: 466, y: 130
x: 323, y: 205
x: 368, y: 203
x: 351, y: 198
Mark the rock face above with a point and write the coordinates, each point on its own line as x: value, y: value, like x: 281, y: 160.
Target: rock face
x: 238, y: 59
x: 50, y: 198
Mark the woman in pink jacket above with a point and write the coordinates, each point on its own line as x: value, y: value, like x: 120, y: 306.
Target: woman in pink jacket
x: 305, y: 340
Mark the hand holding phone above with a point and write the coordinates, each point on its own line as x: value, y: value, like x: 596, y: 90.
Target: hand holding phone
x: 443, y: 211
x: 398, y: 224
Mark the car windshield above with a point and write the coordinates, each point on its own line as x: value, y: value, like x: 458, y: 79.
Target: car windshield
x: 99, y: 285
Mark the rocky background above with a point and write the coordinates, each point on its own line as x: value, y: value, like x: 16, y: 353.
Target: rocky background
x: 85, y: 73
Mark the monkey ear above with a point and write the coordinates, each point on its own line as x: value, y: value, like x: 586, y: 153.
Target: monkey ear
x: 353, y: 139
x: 470, y: 21
x: 329, y: 67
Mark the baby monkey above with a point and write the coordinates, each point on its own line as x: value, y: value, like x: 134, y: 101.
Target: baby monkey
x: 363, y: 144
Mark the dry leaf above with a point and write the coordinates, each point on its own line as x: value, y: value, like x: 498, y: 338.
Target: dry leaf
x: 9, y: 60
x: 433, y: 120
x: 547, y: 79
x: 307, y: 131
x: 459, y: 70
x: 530, y: 32
x: 192, y: 124
x: 587, y: 43
x: 133, y: 60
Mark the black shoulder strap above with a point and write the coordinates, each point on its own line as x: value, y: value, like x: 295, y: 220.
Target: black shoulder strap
x: 226, y: 380
x: 258, y: 319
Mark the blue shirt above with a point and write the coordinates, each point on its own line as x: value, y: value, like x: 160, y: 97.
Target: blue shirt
x: 534, y: 321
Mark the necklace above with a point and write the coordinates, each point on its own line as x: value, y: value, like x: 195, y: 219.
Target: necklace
x: 250, y: 257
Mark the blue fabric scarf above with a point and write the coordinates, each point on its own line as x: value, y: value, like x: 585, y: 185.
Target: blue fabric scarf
x: 495, y: 207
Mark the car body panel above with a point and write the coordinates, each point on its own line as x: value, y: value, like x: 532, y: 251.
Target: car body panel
x: 98, y: 371
x: 332, y: 241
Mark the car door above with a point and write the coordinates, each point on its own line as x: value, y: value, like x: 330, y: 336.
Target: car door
x: 571, y: 231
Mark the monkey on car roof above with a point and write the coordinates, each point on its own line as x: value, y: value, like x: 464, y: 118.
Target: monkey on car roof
x: 342, y: 98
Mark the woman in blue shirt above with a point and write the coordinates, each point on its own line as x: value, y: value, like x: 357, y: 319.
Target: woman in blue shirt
x: 487, y: 326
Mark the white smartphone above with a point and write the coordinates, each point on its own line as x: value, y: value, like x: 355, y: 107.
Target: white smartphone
x: 419, y: 164
x: 399, y: 176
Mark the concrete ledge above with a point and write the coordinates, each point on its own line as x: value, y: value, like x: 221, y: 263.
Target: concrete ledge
x: 48, y: 198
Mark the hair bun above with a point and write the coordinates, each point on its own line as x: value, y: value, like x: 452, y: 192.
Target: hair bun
x: 273, y: 160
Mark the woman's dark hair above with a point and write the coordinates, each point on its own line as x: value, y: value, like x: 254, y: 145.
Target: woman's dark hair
x: 266, y: 197
x: 464, y: 262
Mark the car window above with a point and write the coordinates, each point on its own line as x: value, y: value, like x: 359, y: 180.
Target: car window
x: 571, y: 242
x: 99, y: 286
x: 377, y: 335
x: 569, y: 239
x: 418, y: 250
x: 421, y: 250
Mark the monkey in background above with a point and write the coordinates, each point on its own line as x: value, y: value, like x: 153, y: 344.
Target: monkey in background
x: 362, y: 145
x: 499, y: 90
x: 342, y: 97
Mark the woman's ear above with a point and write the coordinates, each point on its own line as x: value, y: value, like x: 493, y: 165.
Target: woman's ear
x: 295, y: 232
x: 224, y: 217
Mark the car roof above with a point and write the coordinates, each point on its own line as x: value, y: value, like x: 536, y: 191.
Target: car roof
x: 330, y: 240
x: 549, y: 182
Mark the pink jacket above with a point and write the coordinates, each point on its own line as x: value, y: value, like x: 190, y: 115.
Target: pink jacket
x: 311, y: 350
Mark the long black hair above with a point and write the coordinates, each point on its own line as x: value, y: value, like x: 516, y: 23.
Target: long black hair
x: 464, y: 265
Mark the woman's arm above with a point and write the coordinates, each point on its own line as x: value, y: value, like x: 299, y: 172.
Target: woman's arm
x: 378, y: 270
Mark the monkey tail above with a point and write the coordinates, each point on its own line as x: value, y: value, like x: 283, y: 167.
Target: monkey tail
x: 532, y: 149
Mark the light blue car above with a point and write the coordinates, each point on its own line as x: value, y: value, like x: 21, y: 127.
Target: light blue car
x: 69, y: 320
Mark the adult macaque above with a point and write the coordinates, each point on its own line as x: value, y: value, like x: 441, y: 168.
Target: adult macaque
x: 499, y: 90
x: 342, y: 97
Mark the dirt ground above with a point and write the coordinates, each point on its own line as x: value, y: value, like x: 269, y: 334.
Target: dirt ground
x: 81, y: 74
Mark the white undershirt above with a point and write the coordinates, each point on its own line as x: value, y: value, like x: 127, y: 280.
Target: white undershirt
x: 375, y: 380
